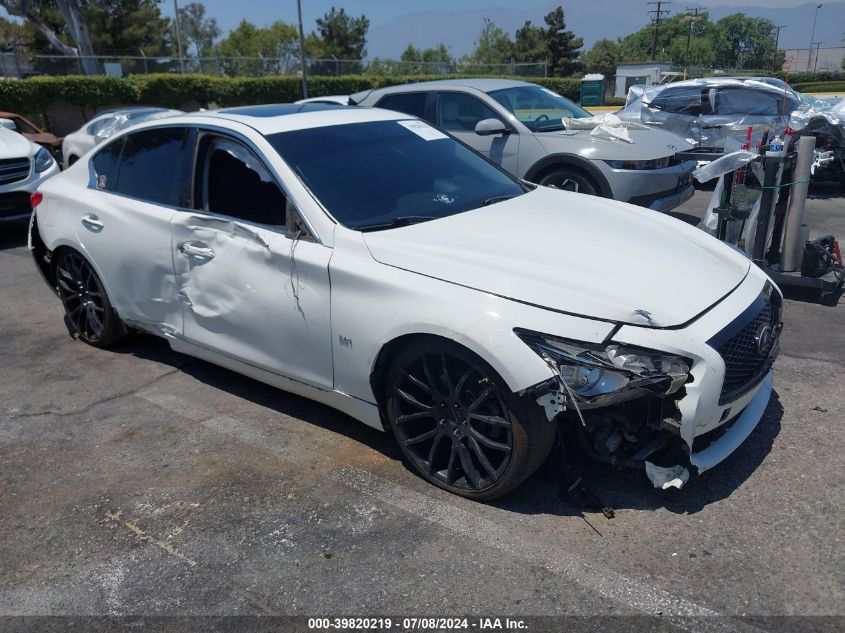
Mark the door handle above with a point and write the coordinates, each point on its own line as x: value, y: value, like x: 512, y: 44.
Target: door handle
x: 200, y: 250
x: 92, y: 223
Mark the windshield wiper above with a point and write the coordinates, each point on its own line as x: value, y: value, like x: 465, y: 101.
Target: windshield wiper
x: 402, y: 220
x: 495, y: 200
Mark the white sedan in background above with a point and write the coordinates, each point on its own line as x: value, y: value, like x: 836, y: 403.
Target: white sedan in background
x: 23, y: 167
x: 365, y: 259
x: 103, y: 126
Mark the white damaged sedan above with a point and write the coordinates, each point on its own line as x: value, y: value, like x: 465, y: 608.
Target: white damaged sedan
x: 366, y: 260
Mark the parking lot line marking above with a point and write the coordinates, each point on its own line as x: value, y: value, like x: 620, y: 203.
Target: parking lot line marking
x: 613, y: 585
x: 256, y: 600
x: 557, y: 559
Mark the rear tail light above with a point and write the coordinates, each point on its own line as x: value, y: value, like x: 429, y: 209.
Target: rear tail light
x: 35, y: 199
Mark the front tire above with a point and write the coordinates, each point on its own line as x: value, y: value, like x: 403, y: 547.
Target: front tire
x: 458, y: 424
x: 88, y: 311
x: 569, y: 179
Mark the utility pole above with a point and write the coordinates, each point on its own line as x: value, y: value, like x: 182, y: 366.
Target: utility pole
x: 777, y: 40
x: 178, y: 37
x: 302, y: 60
x: 692, y: 19
x: 658, y: 13
x: 812, y: 35
x: 818, y: 46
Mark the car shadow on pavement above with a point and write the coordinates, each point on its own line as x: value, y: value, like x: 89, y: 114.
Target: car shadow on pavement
x: 542, y: 493
x: 156, y: 349
x: 825, y: 190
x: 685, y: 217
x: 630, y: 489
x: 13, y: 234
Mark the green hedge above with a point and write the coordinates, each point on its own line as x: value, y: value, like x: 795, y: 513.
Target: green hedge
x: 822, y: 86
x: 37, y: 94
x: 809, y: 76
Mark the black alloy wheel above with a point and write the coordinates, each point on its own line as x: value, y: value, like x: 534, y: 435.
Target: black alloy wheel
x: 89, y: 313
x: 455, y: 422
x: 569, y: 180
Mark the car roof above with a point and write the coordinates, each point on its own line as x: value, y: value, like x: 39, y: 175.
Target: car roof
x: 284, y: 117
x: 484, y: 84
x: 728, y: 82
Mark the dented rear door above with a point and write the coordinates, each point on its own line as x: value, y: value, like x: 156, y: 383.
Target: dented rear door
x: 248, y: 288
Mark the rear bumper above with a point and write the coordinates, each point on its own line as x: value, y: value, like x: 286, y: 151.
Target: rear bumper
x: 14, y: 205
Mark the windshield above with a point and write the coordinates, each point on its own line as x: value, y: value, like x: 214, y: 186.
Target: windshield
x: 539, y: 109
x: 376, y: 174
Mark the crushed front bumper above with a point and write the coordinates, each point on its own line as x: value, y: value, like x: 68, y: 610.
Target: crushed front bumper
x: 692, y: 431
x: 736, y: 431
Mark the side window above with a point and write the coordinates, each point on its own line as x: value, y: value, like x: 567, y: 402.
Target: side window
x: 690, y: 100
x: 105, y: 164
x: 412, y: 103
x: 232, y: 181
x: 151, y: 166
x: 458, y: 112
x: 744, y: 102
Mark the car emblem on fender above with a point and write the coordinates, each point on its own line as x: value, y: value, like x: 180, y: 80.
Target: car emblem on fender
x: 762, y: 338
x: 674, y: 148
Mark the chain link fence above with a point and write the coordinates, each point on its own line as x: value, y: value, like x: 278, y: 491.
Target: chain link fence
x: 12, y: 65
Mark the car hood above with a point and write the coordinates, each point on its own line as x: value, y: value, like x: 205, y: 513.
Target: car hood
x: 647, y: 144
x: 572, y: 253
x: 13, y: 145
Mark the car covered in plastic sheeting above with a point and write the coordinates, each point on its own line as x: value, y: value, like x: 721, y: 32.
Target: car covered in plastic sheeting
x: 104, y: 125
x: 365, y: 259
x: 540, y: 136
x: 715, y: 114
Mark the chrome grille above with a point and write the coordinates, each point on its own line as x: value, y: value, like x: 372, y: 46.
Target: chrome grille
x: 746, y: 360
x: 13, y: 170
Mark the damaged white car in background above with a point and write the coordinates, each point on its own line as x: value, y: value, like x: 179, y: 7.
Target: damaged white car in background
x: 371, y: 262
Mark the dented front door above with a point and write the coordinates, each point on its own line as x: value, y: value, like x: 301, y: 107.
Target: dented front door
x: 255, y: 295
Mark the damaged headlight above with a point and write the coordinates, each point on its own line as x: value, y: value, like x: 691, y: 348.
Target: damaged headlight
x: 591, y: 370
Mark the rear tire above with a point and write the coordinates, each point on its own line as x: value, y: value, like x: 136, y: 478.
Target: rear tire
x: 459, y: 425
x: 88, y: 312
x: 569, y: 179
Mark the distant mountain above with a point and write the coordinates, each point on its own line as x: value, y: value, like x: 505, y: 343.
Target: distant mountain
x: 592, y: 20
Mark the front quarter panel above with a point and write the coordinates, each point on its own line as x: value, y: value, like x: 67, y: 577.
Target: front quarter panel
x: 373, y: 304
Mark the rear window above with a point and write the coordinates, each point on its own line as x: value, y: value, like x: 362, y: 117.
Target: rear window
x: 689, y: 100
x: 412, y: 103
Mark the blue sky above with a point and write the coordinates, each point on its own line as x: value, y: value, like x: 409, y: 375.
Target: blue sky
x: 229, y: 13
x: 396, y: 23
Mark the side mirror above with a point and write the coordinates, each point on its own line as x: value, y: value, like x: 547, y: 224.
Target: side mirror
x: 489, y: 127
x: 8, y: 124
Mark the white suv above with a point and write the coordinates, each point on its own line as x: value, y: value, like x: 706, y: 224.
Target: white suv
x: 23, y: 166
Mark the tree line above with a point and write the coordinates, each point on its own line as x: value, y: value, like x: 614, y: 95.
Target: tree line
x: 137, y: 27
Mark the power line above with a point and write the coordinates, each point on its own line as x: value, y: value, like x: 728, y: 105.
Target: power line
x: 658, y: 13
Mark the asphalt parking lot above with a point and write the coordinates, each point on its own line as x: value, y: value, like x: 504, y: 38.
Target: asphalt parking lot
x: 139, y: 481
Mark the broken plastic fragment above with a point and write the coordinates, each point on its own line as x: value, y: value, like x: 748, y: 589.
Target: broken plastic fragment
x: 665, y: 478
x: 553, y: 402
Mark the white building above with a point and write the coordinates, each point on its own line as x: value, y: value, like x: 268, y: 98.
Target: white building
x: 803, y: 59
